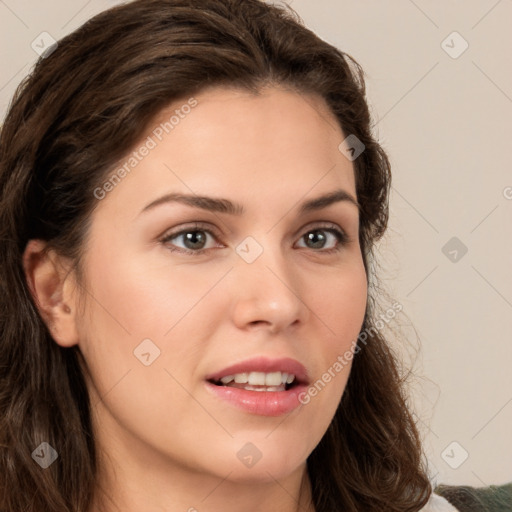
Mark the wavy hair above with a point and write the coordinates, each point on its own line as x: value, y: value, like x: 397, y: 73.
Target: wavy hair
x: 81, y: 109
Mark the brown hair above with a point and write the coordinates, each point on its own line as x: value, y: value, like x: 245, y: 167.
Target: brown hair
x: 83, y: 108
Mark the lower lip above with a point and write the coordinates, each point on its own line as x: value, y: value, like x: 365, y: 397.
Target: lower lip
x: 263, y: 403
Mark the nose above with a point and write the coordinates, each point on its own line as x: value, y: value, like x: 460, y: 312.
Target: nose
x: 268, y: 294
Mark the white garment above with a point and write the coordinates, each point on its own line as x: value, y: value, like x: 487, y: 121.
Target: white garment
x: 437, y: 503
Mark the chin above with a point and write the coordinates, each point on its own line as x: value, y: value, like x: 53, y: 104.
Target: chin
x: 265, y: 472
x: 263, y: 460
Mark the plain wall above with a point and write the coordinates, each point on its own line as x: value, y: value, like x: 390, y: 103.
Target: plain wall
x: 444, y: 121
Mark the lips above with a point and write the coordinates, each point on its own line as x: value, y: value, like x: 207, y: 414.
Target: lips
x: 260, y: 398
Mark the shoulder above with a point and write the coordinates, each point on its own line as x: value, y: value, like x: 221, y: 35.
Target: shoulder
x: 437, y: 503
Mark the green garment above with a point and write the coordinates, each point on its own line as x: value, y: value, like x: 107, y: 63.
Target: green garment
x: 495, y: 498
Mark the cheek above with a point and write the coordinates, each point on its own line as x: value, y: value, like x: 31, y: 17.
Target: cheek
x: 338, y: 310
x: 134, y: 309
x: 339, y: 303
x: 137, y: 299
x: 144, y: 297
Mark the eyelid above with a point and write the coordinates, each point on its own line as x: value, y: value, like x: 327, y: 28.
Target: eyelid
x: 327, y: 225
x: 195, y: 226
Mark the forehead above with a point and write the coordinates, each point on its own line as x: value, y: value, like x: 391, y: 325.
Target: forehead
x: 234, y: 140
x: 273, y: 114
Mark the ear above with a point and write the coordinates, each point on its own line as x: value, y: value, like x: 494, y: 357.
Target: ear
x: 53, y: 289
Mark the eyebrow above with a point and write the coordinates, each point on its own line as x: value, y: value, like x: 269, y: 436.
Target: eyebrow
x: 221, y: 205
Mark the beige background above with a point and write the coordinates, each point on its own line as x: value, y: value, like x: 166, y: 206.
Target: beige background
x: 445, y: 123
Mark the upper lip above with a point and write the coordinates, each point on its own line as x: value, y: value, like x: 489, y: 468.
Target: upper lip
x: 266, y: 365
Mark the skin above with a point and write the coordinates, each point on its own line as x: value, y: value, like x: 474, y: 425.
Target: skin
x: 164, y: 442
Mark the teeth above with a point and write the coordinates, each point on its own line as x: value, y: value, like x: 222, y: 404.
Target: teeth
x: 241, y: 378
x: 273, y: 379
x: 257, y: 378
x: 266, y: 388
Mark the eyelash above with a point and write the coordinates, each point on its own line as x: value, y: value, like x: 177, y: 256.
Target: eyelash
x: 343, y: 239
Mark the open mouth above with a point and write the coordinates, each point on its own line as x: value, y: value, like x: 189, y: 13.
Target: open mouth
x: 258, y: 381
x: 261, y: 385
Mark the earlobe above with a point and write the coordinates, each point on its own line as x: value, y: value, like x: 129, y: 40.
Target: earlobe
x: 49, y: 283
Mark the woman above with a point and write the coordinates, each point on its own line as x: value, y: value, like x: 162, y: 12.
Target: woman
x: 190, y: 196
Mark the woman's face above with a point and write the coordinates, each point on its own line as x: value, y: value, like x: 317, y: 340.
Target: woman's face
x: 179, y: 291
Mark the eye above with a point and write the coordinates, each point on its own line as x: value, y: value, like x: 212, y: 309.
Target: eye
x: 323, y: 236
x: 194, y: 240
